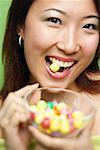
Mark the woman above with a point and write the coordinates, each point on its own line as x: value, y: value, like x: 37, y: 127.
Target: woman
x: 40, y: 33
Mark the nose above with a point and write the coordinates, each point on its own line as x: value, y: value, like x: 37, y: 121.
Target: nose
x: 68, y: 42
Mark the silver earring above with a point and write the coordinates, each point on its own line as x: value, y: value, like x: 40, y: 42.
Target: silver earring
x: 20, y: 40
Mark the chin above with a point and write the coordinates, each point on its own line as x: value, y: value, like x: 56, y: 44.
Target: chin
x: 52, y: 85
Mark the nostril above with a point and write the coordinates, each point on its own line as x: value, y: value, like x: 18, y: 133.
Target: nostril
x: 60, y: 45
x: 68, y: 48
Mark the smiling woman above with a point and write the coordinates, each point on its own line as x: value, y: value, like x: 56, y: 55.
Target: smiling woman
x: 54, y: 43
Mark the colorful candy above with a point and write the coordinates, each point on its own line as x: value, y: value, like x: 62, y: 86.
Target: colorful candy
x: 56, y: 118
x: 45, y: 123
x: 54, y: 67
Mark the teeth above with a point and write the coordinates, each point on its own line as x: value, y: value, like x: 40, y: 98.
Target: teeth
x: 61, y: 63
x: 53, y: 60
x: 68, y: 64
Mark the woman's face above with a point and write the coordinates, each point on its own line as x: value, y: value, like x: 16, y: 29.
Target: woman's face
x: 64, y: 32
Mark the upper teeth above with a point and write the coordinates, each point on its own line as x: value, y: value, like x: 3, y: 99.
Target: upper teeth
x: 61, y: 63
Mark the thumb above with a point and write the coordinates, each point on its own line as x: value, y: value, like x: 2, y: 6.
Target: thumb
x: 24, y: 91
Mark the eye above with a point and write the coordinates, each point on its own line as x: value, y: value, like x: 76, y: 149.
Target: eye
x: 54, y: 20
x: 90, y: 26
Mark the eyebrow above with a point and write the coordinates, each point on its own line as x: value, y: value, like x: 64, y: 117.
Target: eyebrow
x: 57, y: 10
x: 64, y: 13
x: 93, y: 16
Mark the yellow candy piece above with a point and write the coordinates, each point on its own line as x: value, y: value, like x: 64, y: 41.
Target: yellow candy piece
x: 39, y: 118
x: 34, y: 108
x: 54, y: 67
x: 50, y: 113
x: 77, y: 114
x: 61, y: 106
x: 78, y: 123
x: 41, y: 105
x: 48, y: 131
x: 64, y: 127
x: 55, y: 124
x: 62, y: 117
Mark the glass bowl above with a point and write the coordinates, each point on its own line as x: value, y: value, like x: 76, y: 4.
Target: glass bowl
x: 59, y: 112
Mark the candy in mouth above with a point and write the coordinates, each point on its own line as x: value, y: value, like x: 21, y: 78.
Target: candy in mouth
x: 56, y: 65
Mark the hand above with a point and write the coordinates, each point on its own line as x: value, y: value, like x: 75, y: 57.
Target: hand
x: 13, y: 120
x: 45, y: 142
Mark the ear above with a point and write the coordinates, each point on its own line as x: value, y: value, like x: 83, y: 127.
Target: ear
x: 20, y: 31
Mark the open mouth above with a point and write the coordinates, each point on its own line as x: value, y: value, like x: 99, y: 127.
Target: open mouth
x: 58, y: 66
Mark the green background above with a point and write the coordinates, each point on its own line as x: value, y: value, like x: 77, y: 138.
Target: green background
x: 4, y: 6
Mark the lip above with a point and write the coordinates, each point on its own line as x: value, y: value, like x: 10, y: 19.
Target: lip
x: 58, y: 75
x: 62, y: 58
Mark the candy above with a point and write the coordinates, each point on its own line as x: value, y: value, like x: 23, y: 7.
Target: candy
x: 33, y: 108
x: 45, y: 123
x: 55, y: 124
x: 41, y: 104
x: 54, y: 67
x: 56, y: 118
x: 32, y: 115
x: 78, y: 123
x: 49, y: 113
x: 39, y: 118
x: 50, y: 105
x: 77, y: 114
x: 46, y: 130
x: 64, y: 127
x: 62, y: 117
x: 61, y: 106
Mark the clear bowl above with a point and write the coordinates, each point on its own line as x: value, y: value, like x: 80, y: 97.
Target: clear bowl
x: 74, y: 101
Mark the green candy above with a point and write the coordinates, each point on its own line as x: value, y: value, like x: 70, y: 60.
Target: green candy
x: 54, y: 67
x: 50, y: 105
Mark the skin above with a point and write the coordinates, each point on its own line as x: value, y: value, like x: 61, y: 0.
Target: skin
x: 72, y: 37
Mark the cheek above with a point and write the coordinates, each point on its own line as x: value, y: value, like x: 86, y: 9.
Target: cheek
x: 39, y: 39
x: 90, y: 46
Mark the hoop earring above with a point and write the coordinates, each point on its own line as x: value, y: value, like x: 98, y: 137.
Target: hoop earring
x: 20, y: 41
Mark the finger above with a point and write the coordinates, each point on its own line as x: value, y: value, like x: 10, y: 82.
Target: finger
x: 12, y: 105
x: 10, y: 98
x: 50, y: 142
x: 26, y: 89
x: 14, y: 116
x: 18, y: 118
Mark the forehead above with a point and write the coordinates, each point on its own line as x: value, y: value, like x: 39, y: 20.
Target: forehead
x: 76, y: 8
x: 84, y: 5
